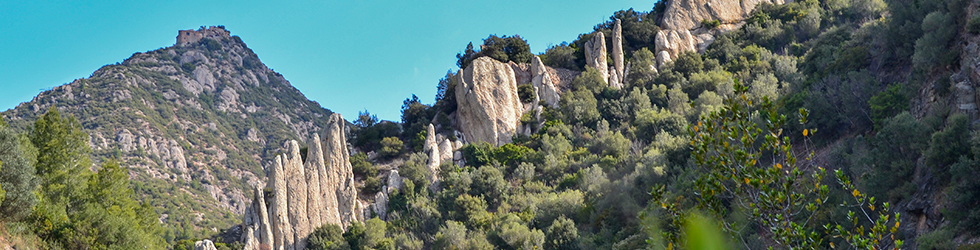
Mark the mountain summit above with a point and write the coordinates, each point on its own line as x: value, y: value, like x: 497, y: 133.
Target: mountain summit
x: 195, y: 122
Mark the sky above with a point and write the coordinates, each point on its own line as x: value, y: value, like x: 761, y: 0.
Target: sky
x: 349, y: 56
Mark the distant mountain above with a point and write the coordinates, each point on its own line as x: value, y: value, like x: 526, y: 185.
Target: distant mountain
x: 195, y: 122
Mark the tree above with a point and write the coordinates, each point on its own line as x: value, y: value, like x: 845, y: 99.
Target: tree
x: 415, y: 119
x: 754, y: 172
x: 62, y: 164
x: 112, y: 217
x: 390, y: 147
x: 560, y: 56
x: 18, y: 177
x: 562, y: 234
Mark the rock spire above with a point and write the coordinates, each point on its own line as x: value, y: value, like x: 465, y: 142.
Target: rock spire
x: 304, y: 196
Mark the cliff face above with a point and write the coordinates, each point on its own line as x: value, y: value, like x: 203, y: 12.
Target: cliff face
x: 489, y: 109
x: 304, y: 196
x: 192, y: 122
x: 683, y: 31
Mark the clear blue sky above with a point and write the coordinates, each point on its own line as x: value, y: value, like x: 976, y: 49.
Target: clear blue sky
x: 349, y: 56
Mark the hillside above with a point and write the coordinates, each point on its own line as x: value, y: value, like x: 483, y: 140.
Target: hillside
x: 195, y: 122
x: 723, y: 124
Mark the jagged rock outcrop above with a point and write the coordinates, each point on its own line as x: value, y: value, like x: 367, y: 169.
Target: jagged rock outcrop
x: 257, y: 229
x: 683, y: 31
x: 616, y: 77
x: 204, y: 245
x: 439, y: 149
x: 339, y: 174
x: 544, y: 84
x: 304, y: 196
x: 488, y: 108
x: 595, y: 54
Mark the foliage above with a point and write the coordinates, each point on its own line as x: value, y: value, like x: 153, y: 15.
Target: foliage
x: 17, y: 178
x: 503, y: 49
x: 888, y: 103
x: 415, y: 119
x: 327, y: 237
x: 390, y: 147
x: 368, y: 131
x: 896, y: 148
x: 560, y: 56
x: 562, y: 234
x: 931, y: 49
x: 361, y: 166
x: 948, y: 145
x: 782, y: 195
x: 526, y: 92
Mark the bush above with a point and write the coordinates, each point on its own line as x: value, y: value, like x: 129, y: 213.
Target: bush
x: 897, y: 147
x: 560, y: 56
x: 888, y: 103
x: 525, y: 92
x: 948, y: 145
x: 973, y: 25
x: 710, y: 24
x: 327, y: 237
x: 361, y: 166
x: 390, y: 147
x: 941, y: 239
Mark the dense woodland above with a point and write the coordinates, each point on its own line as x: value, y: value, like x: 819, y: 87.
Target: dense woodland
x: 793, y: 132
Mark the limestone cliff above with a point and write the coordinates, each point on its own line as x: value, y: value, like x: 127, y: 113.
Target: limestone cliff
x: 683, y: 31
x: 489, y: 109
x: 304, y: 196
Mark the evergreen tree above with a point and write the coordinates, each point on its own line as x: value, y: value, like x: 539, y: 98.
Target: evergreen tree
x: 17, y: 177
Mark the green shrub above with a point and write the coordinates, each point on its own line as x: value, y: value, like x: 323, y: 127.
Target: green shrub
x: 327, y: 237
x: 390, y: 147
x: 888, y: 103
x: 710, y: 24
x: 525, y: 92
x: 948, y: 145
x: 973, y: 25
x: 941, y: 239
x: 188, y: 67
x: 361, y: 166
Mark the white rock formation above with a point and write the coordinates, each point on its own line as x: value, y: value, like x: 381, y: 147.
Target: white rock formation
x: 204, y: 245
x: 595, y: 54
x: 617, y: 77
x: 489, y: 109
x: 306, y: 195
x: 543, y: 84
x: 682, y: 29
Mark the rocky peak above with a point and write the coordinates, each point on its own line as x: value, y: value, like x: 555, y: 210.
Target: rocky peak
x: 185, y: 37
x: 199, y: 117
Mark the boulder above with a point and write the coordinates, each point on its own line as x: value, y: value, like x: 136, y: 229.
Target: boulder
x: 489, y: 109
x: 674, y: 42
x: 662, y: 58
x: 595, y: 54
x: 204, y: 245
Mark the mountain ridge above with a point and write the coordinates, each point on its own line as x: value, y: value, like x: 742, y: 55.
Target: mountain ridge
x: 202, y: 116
